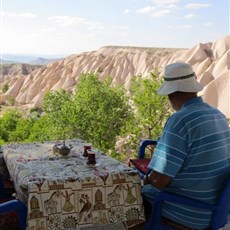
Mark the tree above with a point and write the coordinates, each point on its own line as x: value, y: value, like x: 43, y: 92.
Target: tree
x: 22, y: 130
x: 96, y: 113
x: 58, y: 106
x: 8, y: 123
x: 42, y: 130
x: 151, y: 110
x: 101, y: 111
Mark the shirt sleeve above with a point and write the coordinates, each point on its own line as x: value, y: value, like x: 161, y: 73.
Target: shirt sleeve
x: 171, y: 150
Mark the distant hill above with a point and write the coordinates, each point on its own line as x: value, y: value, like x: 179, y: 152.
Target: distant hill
x: 29, y: 59
x: 2, y: 61
x: 42, y: 61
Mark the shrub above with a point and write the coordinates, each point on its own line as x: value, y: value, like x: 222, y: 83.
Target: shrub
x: 5, y: 88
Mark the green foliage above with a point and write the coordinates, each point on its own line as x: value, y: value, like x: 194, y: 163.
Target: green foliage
x: 15, y: 128
x: 42, y: 130
x: 2, y: 141
x: 5, y: 88
x: 11, y: 100
x: 101, y: 111
x: 22, y: 130
x: 151, y: 110
x: 97, y: 112
x: 8, y: 123
x: 59, y: 108
x: 36, y: 109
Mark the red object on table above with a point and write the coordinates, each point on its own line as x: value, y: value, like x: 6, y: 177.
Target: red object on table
x: 140, y: 164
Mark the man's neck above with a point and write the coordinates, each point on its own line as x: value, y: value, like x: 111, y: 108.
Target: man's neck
x: 177, y: 99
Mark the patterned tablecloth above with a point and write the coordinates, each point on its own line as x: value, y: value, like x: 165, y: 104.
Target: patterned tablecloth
x: 67, y: 193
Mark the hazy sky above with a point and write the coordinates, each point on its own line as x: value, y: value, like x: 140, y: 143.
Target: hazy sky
x: 74, y: 26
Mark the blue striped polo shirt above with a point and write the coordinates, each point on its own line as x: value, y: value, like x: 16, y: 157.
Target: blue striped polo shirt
x: 194, y: 150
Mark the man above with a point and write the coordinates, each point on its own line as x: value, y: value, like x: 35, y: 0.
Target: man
x: 192, y: 157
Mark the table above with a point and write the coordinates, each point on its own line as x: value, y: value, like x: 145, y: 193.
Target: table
x: 67, y: 193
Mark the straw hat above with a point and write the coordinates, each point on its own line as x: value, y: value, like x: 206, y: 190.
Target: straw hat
x: 179, y: 76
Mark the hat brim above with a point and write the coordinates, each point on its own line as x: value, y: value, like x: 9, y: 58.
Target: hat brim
x: 189, y: 85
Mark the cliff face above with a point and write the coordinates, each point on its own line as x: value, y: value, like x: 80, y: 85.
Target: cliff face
x: 211, y: 62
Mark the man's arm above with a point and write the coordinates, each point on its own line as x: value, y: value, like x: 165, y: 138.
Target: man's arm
x: 157, y: 180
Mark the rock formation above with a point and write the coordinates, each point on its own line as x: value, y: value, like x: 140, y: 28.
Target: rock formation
x: 210, y: 62
x: 15, y: 69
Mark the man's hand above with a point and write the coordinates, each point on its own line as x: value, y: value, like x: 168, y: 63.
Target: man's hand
x: 157, y: 180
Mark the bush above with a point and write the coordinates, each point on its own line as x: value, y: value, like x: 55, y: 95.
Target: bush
x: 11, y: 100
x: 5, y: 88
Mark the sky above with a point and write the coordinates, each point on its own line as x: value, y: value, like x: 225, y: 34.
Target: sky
x: 65, y: 27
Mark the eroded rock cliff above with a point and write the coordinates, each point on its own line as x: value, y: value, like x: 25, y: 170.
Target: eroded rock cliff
x: 210, y: 61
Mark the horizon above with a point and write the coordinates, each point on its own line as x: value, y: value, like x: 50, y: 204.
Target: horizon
x: 33, y: 55
x: 58, y: 28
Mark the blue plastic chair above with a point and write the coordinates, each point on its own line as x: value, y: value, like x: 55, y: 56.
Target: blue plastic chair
x: 141, y: 159
x: 143, y: 145
x: 221, y: 209
x: 220, y: 215
x: 10, y: 204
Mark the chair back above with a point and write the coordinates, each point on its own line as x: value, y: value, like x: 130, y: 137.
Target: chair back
x: 143, y: 145
x: 11, y: 210
x: 141, y: 162
x: 17, y: 210
x: 221, y: 214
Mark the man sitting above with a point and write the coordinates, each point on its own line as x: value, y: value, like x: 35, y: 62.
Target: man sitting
x: 192, y: 157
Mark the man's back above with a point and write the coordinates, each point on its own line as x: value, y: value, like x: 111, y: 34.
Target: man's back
x: 195, y: 151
